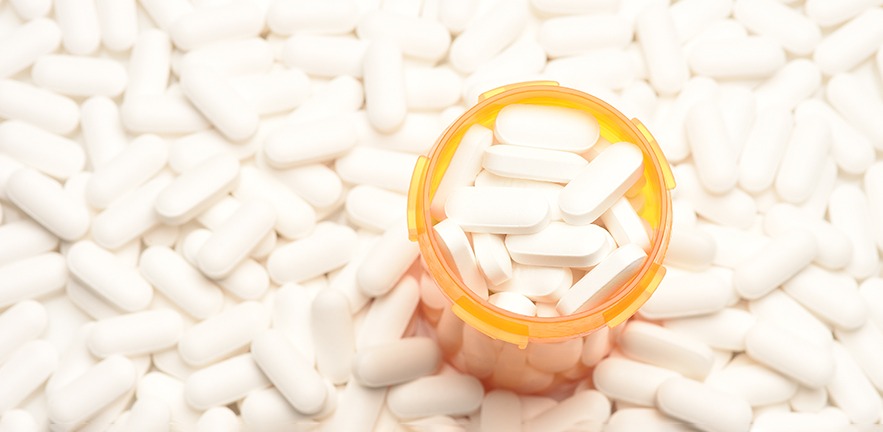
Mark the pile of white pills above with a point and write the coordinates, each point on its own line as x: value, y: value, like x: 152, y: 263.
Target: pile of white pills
x: 202, y: 212
x: 529, y: 192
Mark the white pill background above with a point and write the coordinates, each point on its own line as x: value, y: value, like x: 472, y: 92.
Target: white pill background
x: 202, y: 214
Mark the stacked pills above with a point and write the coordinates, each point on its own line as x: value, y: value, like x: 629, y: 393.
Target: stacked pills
x: 545, y: 191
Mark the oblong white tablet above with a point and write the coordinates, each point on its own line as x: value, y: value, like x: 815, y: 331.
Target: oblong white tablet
x: 833, y: 297
x: 805, y: 362
x: 384, y: 365
x: 31, y: 277
x: 331, y: 325
x: 601, y: 183
x: 492, y: 257
x: 335, y: 17
x: 699, y: 404
x: 51, y: 154
x: 778, y: 261
x: 561, y: 245
x: 224, y: 333
x: 318, y: 141
x: 20, y: 48
x: 84, y: 396
x: 161, y: 114
x: 532, y: 163
x: 289, y: 371
x: 295, y: 218
x: 513, y: 302
x: 612, y: 271
x: 498, y: 210
x: 752, y: 382
x: 682, y: 294
x: 419, y: 37
x: 110, y: 276
x: 745, y: 57
x: 656, y: 345
x: 39, y: 107
x: 224, y: 382
x: 20, y: 323
x: 540, y: 284
x: 547, y: 127
x: 135, y: 334
x: 630, y: 381
x: 330, y: 246
x: 464, y: 167
x: 134, y: 165
x: 449, y: 394
x: 666, y: 64
x: 79, y: 76
x: 387, y: 261
x: 460, y: 253
x: 384, y: 82
x: 130, y: 216
x: 625, y: 226
x: 804, y: 158
x: 25, y: 370
x: 220, y: 103
x: 710, y: 145
x: 374, y: 208
x: 377, y: 167
x: 195, y: 190
x: 217, y: 22
x: 236, y: 238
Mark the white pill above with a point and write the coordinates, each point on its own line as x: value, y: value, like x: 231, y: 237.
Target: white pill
x: 850, y: 44
x: 78, y: 21
x: 109, y: 276
x: 561, y: 245
x: 600, y: 184
x: 847, y: 94
x: 25, y: 370
x: 20, y: 48
x: 39, y: 107
x: 794, y: 31
x: 388, y: 260
x: 630, y: 381
x: 848, y: 211
x: 431, y: 89
x: 252, y: 56
x: 832, y: 297
x: 764, y: 148
x: 317, y: 184
x: 593, y: 288
x: 748, y: 57
x: 374, y: 208
x: 223, y: 334
x: 44, y: 200
x: 804, y: 157
x: 23, y: 239
x: 791, y: 356
x: 358, y: 406
x: 220, y: 419
x: 332, y: 330
x: 103, y: 134
x: 295, y: 218
x: 130, y: 216
x: 546, y: 127
x: 584, y: 407
x: 334, y: 17
x: 872, y: 290
x: 119, y: 23
x: 752, y: 383
x: 224, y: 382
x: 325, y: 56
x: 455, y: 15
x: 157, y: 385
x: 666, y: 64
x: 690, y: 248
x: 865, y: 345
x: 497, y: 409
x: 87, y: 394
x: 682, y: 294
x: 389, y: 316
x: 786, y: 313
x: 828, y: 13
x: 850, y: 148
x: 215, y: 23
x: 631, y: 419
x: 149, y: 64
x: 238, y: 236
x: 699, y: 404
x: 449, y: 394
x: 136, y: 164
x: 625, y: 226
x: 377, y: 167
x: 385, y: 101
x: 461, y: 255
x: 267, y: 409
x: 51, y: 154
x: 735, y: 208
x: 577, y: 34
x: 827, y: 419
x: 498, y: 210
x: 197, y: 189
x: 778, y: 261
x: 302, y: 144
x: 135, y: 334
x: 522, y: 58
x: 329, y: 247
x: 492, y: 257
x: 20, y: 323
x: 664, y: 348
x: 723, y: 330
x: 851, y: 390
x: 79, y: 76
x: 220, y: 103
x: 513, y: 302
x: 540, y: 284
x: 532, y: 163
x: 464, y: 166
x: 278, y: 91
x: 18, y: 420
x: 418, y: 37
x: 384, y: 365
x: 289, y: 371
x: 712, y: 150
x: 162, y: 114
x: 596, y: 71
x: 809, y: 400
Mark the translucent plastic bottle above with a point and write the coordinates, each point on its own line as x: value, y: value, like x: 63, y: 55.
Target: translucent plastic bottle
x: 532, y: 354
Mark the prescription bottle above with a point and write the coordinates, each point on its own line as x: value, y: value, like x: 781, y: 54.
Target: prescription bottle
x: 533, y: 354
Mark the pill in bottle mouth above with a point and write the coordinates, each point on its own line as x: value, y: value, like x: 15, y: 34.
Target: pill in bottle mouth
x: 543, y: 212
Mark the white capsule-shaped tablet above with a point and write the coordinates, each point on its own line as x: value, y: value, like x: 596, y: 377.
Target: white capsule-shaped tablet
x: 149, y: 64
x: 825, y: 419
x: 683, y: 294
x: 130, y: 216
x: 384, y: 365
x: 25, y: 370
x: 330, y: 246
x: 389, y: 259
x: 513, y: 302
x: 464, y: 167
x: 734, y: 208
x: 224, y: 333
x: 700, y: 404
x: 317, y: 184
x: 625, y: 226
x: 224, y: 382
x: 664, y: 348
x: 561, y: 245
x: 87, y: 394
x: 221, y: 104
x: 332, y: 330
x: 418, y: 37
x: 794, y: 31
x: 384, y: 81
x: 723, y: 330
x: 31, y: 277
x: 791, y: 85
x: 334, y: 17
x: 804, y: 157
x: 358, y: 406
x: 781, y: 310
x: 540, y: 284
x: 781, y: 259
x: 43, y: 199
x: 497, y: 409
x: 40, y: 107
x: 666, y: 64
x: 377, y: 167
x: 137, y: 163
x: 808, y: 364
x: 458, y: 249
x: 577, y: 34
x: 532, y: 163
x: 546, y: 127
x: 266, y: 409
x: 764, y: 148
x: 18, y: 420
x: 449, y: 394
x: 78, y: 21
x: 712, y: 150
x: 162, y: 114
x: 850, y: 148
x: 51, y: 154
x: 630, y: 381
x: 848, y: 210
x: 865, y: 345
x: 752, y: 382
x: 79, y: 76
x: 295, y: 218
x: 216, y: 23
x: 832, y: 297
x: 498, y: 210
x: 592, y: 289
x: 851, y: 390
x: 274, y: 92
x: 313, y: 142
x: 374, y: 208
x: 749, y: 57
x: 390, y: 315
x: 20, y: 323
x: 601, y: 183
x: 289, y: 372
x: 221, y: 419
x: 238, y: 236
x: 195, y: 190
x: 431, y: 89
x: 487, y: 34
x: 20, y: 48
x: 103, y: 134
x: 586, y: 407
x: 325, y: 56
x: 850, y: 44
x: 492, y: 257
x: 847, y: 94
x: 109, y: 276
x: 119, y: 23
x: 135, y: 334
